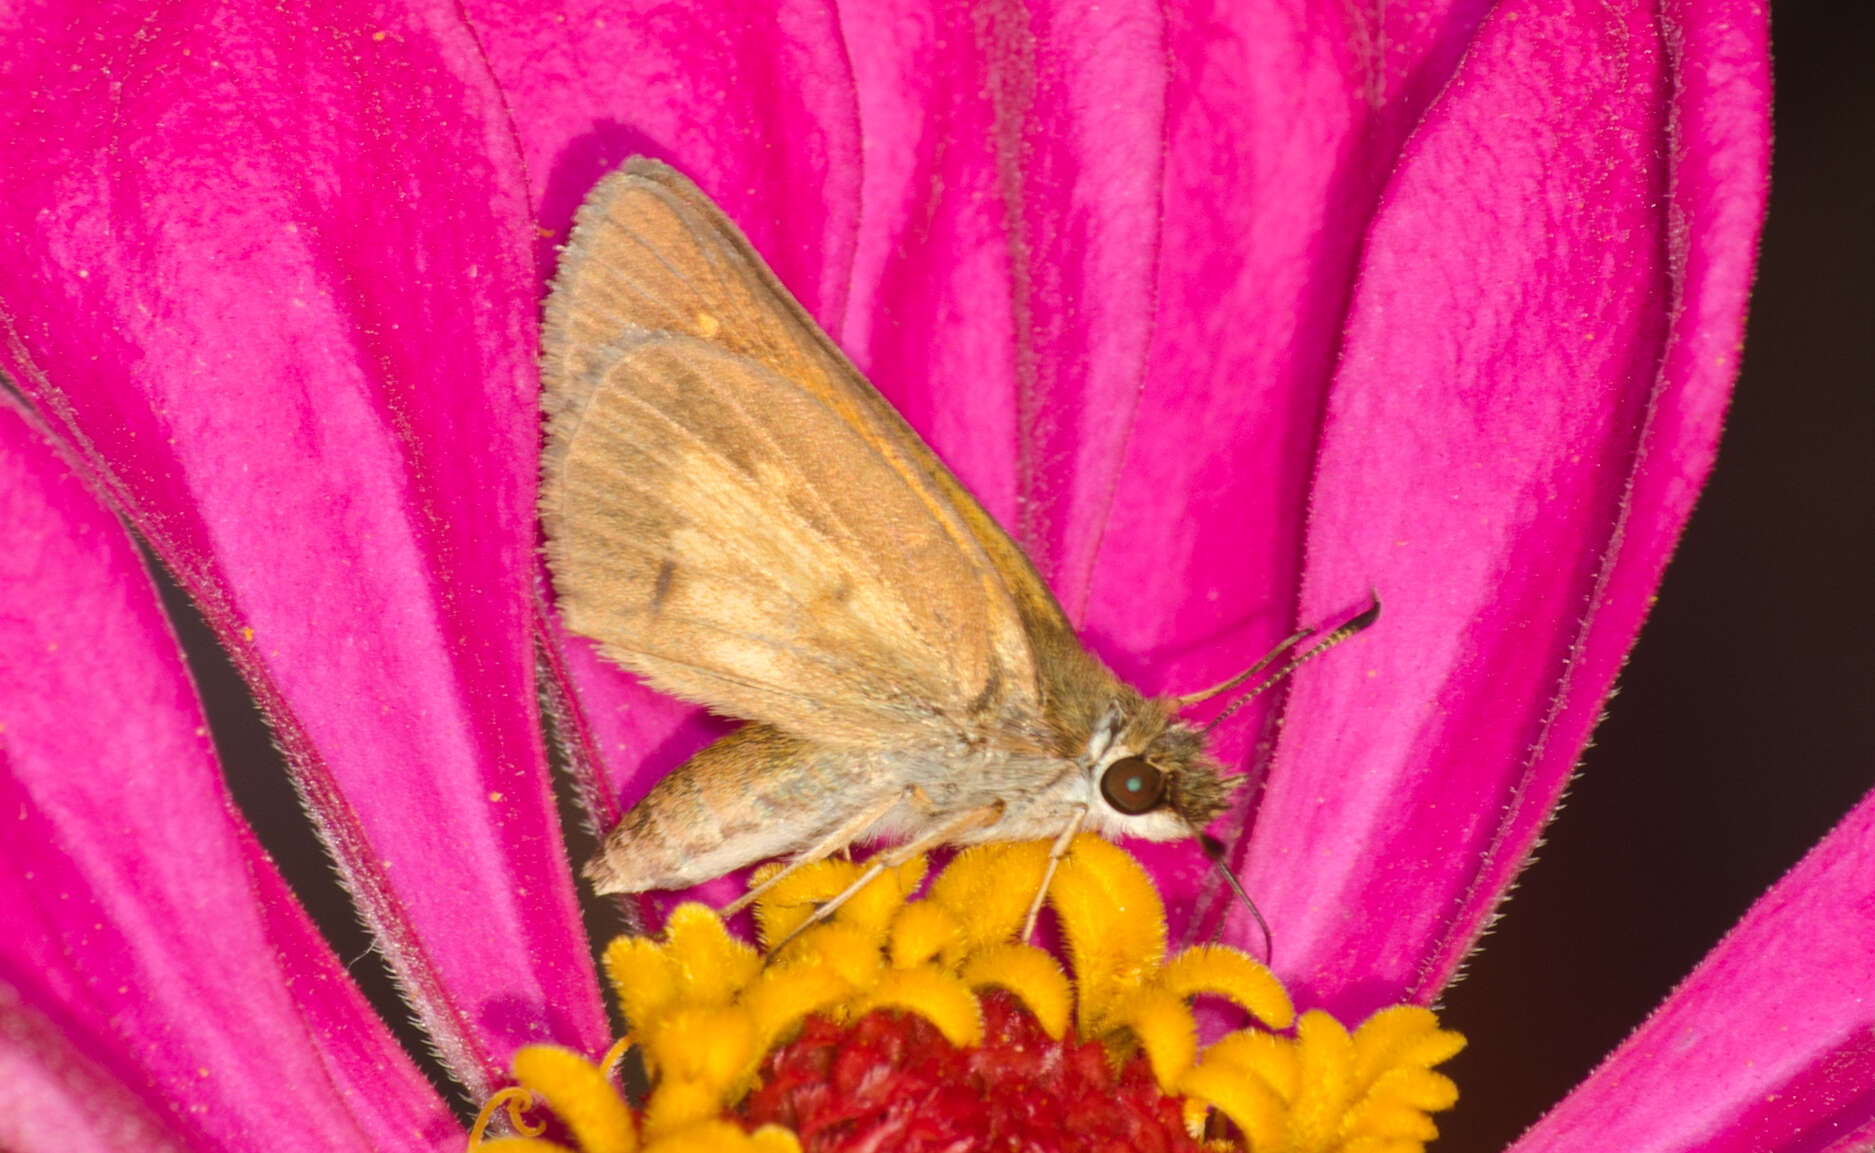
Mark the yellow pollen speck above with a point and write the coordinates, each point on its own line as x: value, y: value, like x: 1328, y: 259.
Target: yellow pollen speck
x: 496, y: 797
x: 247, y: 634
x: 705, y: 1009
x: 708, y: 326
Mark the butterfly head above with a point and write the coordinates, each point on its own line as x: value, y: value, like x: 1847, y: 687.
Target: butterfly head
x: 1150, y: 775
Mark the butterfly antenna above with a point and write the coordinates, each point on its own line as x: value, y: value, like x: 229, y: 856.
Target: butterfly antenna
x: 1214, y: 852
x: 1282, y: 647
x: 1367, y: 617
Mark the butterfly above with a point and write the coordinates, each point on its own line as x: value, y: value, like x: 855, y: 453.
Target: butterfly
x: 738, y: 517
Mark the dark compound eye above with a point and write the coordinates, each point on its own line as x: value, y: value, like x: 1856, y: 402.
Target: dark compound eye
x: 1131, y: 785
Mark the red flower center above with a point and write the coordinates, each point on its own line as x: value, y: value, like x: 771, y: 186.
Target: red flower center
x: 891, y: 1081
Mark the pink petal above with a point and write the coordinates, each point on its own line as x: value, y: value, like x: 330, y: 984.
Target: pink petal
x: 151, y: 950
x: 759, y: 110
x: 933, y: 318
x: 1283, y: 124
x: 74, y: 1104
x: 1769, y: 1045
x: 1003, y: 288
x: 754, y: 105
x: 1528, y: 398
x: 272, y: 279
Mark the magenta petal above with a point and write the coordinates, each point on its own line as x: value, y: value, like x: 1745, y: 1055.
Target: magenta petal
x: 932, y: 319
x: 753, y: 102
x: 1529, y: 394
x: 1003, y: 286
x: 1282, y: 126
x: 150, y: 945
x: 1769, y: 1045
x: 272, y: 278
x: 63, y: 1101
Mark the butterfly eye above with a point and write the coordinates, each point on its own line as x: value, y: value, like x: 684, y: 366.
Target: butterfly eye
x: 1131, y: 785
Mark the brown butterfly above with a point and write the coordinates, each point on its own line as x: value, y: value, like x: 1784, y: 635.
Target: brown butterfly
x: 739, y: 518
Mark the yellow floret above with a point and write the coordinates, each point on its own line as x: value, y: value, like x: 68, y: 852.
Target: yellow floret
x: 1327, y: 1080
x: 1162, y: 1025
x: 850, y: 952
x: 937, y: 996
x: 1032, y: 975
x: 923, y: 931
x: 1231, y: 974
x: 989, y: 889
x: 788, y: 905
x: 780, y: 999
x: 678, y: 1104
x: 643, y: 977
x: 1402, y: 1035
x: 712, y: 966
x: 715, y: 1045
x: 774, y: 1139
x: 1249, y: 1103
x: 579, y: 1095
x: 1392, y: 1120
x: 1273, y: 1060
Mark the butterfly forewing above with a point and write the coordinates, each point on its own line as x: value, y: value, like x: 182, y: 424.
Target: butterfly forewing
x: 734, y: 513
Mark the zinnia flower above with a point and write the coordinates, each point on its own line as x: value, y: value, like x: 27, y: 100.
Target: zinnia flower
x: 1228, y: 315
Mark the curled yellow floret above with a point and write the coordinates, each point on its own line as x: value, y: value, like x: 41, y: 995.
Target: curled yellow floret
x: 1032, y: 976
x: 706, y: 1009
x: 933, y: 994
x: 1230, y: 974
x: 784, y: 997
x: 925, y: 931
x: 579, y: 1094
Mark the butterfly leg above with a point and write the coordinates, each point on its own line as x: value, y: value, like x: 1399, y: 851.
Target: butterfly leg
x: 1055, y: 854
x: 892, y: 858
x: 832, y: 843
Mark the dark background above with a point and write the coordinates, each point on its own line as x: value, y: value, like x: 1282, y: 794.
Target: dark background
x: 1745, y: 723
